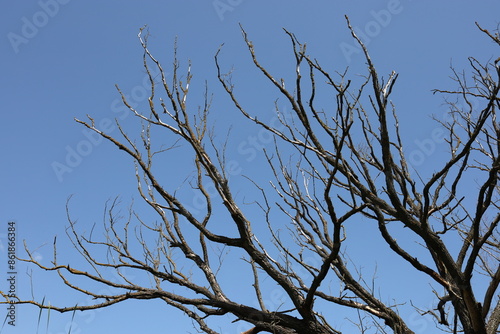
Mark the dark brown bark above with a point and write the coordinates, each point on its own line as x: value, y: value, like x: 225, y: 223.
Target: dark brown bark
x: 352, y: 167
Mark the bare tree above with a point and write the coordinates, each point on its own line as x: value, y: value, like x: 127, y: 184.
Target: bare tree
x: 347, y: 164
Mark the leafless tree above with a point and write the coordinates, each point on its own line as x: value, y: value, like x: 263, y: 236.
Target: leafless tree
x: 347, y: 164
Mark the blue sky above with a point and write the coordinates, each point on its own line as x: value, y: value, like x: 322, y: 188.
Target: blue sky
x: 62, y: 58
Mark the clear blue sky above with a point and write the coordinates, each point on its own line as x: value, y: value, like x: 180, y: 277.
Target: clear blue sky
x: 60, y: 59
